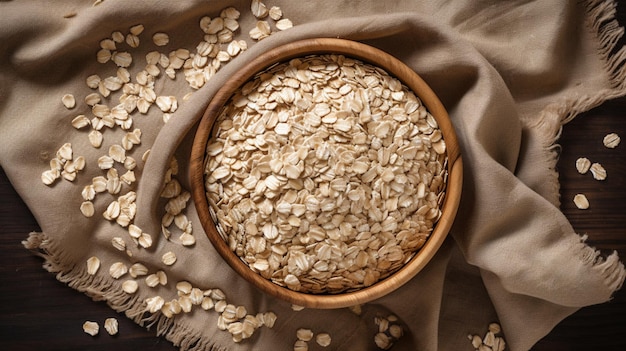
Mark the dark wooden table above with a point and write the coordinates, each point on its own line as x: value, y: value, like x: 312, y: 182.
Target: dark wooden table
x: 39, y: 313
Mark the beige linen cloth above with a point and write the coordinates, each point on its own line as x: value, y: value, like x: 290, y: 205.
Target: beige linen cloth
x: 510, y: 73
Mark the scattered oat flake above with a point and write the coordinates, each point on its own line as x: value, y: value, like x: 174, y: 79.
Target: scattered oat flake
x: 68, y: 101
x: 117, y: 37
x: 598, y: 171
x: 132, y: 40
x: 137, y: 270
x: 154, y: 304
x: 581, y: 201
x: 120, y: 116
x: 169, y: 258
x: 300, y: 345
x: 108, y: 44
x: 611, y: 140
x: 117, y: 270
x: 284, y: 24
x: 87, y: 209
x: 130, y: 286
x: 93, y: 81
x: 152, y: 280
x: 122, y: 59
x: 137, y: 29
x: 258, y: 9
x: 91, y: 328
x: 275, y: 13
x: 93, y: 264
x: 297, y: 307
x: 260, y: 31
x: 49, y: 176
x: 160, y: 39
x: 304, y: 334
x: 492, y: 340
x: 323, y: 339
x: 383, y: 341
x: 582, y: 165
x: 111, y: 326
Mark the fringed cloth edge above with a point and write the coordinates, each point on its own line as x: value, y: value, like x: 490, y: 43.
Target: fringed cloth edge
x: 600, y: 21
x: 102, y: 288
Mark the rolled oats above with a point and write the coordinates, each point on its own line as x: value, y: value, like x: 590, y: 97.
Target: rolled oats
x: 49, y: 176
x: 111, y: 326
x: 108, y: 44
x: 492, y: 341
x: 65, y: 152
x: 95, y: 138
x: 260, y: 31
x: 160, y: 39
x: 103, y: 55
x: 145, y: 240
x: 275, y: 13
x: 152, y: 280
x: 258, y: 9
x: 581, y: 201
x: 154, y: 304
x: 230, y: 12
x: 130, y: 286
x: 300, y: 345
x: 137, y: 270
x: 169, y: 258
x: 91, y: 328
x: 598, y: 171
x: 118, y: 243
x: 324, y: 195
x: 117, y: 37
x: 582, y: 165
x: 93, y: 264
x: 68, y: 101
x: 284, y: 24
x: 122, y: 59
x: 93, y: 81
x: 187, y: 239
x: 304, y: 334
x: 382, y: 341
x: 87, y: 209
x: 323, y: 339
x: 117, y: 270
x: 132, y: 40
x: 136, y: 95
x: 611, y: 140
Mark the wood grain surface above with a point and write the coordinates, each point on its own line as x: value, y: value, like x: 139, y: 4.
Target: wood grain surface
x: 39, y: 313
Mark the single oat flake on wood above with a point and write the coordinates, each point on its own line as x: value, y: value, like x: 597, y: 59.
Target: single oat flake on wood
x: 91, y: 328
x: 582, y: 165
x: 581, y: 201
x: 611, y: 140
x: 598, y: 171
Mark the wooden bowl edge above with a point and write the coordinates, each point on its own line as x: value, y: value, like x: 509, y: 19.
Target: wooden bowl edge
x: 394, y: 67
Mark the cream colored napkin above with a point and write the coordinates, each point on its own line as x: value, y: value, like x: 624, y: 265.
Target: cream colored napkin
x: 509, y: 73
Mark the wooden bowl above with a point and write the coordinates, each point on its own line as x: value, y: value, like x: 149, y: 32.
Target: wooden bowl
x: 395, y: 68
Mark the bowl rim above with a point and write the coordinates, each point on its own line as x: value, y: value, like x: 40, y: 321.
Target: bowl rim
x: 396, y: 68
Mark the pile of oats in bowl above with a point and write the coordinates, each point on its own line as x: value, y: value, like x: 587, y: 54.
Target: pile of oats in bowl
x: 325, y: 174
